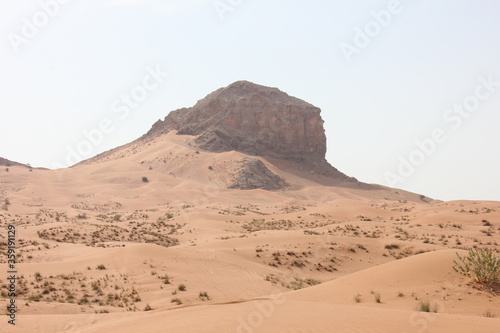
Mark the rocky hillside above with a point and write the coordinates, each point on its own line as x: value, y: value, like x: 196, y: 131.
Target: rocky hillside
x: 255, y: 120
x: 7, y: 163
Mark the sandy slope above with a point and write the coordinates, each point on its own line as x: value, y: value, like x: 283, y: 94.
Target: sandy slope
x: 332, y: 242
x: 324, y: 308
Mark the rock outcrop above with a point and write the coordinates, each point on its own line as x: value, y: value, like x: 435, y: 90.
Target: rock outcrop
x: 254, y: 174
x: 255, y: 120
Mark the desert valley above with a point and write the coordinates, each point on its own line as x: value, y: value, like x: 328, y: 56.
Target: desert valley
x: 226, y: 217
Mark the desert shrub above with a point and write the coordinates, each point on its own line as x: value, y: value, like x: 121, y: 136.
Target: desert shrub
x: 6, y: 204
x: 145, y: 179
x: 487, y: 223
x: 176, y: 300
x: 101, y: 267
x: 425, y: 306
x: 481, y: 265
x: 148, y: 308
x: 182, y: 287
x: 204, y: 295
x: 489, y: 314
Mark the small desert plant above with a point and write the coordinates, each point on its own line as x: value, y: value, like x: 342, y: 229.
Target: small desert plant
x: 6, y: 204
x: 203, y: 295
x: 148, y: 307
x: 145, y: 179
x: 487, y: 223
x: 101, y: 267
x: 400, y: 294
x: 489, y: 314
x: 176, y: 301
x: 425, y: 306
x: 182, y: 287
x: 481, y: 265
x: 378, y: 298
x: 357, y: 298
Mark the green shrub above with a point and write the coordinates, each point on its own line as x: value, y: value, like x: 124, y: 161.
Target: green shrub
x: 481, y: 265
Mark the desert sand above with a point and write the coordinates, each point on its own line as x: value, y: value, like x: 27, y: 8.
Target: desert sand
x: 149, y: 238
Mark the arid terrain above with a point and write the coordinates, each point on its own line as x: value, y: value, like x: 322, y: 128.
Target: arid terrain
x: 188, y: 229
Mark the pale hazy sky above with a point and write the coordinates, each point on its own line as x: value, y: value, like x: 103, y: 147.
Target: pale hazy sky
x: 385, y: 74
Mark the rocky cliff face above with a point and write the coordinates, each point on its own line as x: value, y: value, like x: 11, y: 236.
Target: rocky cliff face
x: 255, y: 120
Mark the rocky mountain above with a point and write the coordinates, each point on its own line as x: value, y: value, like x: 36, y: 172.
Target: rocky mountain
x: 255, y: 120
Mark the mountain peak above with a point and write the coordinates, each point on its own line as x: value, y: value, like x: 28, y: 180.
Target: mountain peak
x: 240, y: 89
x: 255, y: 120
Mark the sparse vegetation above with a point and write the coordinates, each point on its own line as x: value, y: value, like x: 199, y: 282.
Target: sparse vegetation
x: 487, y: 223
x: 489, y: 314
x: 357, y: 298
x: 182, y: 287
x: 176, y: 301
x: 6, y: 204
x: 204, y: 296
x: 425, y: 306
x: 101, y: 267
x: 145, y: 180
x: 481, y: 265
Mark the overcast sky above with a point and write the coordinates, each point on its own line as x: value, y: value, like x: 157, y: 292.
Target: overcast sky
x: 409, y: 90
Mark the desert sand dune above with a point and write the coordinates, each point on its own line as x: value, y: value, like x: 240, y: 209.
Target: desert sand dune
x: 179, y: 232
